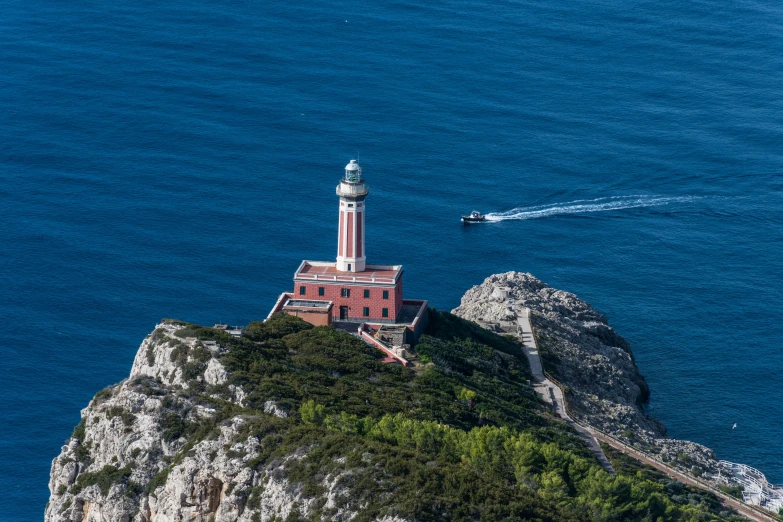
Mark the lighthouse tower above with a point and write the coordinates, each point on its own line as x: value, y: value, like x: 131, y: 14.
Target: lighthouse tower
x: 348, y: 292
x: 350, y: 236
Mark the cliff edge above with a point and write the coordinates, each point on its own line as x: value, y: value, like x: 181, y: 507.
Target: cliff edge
x: 603, y: 386
x: 293, y: 422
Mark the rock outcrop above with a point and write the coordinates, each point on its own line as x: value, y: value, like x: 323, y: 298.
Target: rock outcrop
x: 133, y: 456
x: 181, y: 440
x: 595, y: 365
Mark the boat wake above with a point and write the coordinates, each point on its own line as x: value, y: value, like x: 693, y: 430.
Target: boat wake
x: 581, y: 206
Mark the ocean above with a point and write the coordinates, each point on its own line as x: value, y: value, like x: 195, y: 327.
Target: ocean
x: 179, y: 159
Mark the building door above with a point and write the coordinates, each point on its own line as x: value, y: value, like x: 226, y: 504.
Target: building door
x: 343, y: 313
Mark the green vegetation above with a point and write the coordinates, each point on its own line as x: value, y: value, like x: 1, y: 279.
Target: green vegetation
x: 158, y: 480
x: 290, y: 362
x: 458, y: 437
x: 117, y: 411
x: 681, y: 494
x: 103, y: 395
x: 78, y: 431
x: 81, y: 452
x: 104, y: 479
x: 734, y: 491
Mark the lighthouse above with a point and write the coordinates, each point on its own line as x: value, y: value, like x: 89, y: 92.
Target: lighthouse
x: 365, y: 299
x: 352, y: 191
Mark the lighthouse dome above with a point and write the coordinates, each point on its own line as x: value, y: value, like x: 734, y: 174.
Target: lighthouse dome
x: 353, y: 172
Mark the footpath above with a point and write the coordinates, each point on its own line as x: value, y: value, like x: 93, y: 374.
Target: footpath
x: 552, y: 394
x: 549, y: 391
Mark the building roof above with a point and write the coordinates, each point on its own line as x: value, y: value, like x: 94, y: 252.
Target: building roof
x: 323, y: 271
x: 307, y: 303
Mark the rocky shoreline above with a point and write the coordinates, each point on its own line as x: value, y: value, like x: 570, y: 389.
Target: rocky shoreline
x: 603, y: 386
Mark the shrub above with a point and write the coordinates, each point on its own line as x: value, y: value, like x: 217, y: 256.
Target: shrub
x: 158, y: 480
x: 734, y: 491
x: 201, y: 354
x: 117, y: 411
x: 78, y: 431
x: 104, y: 479
x: 312, y: 413
x: 277, y: 326
x: 102, y: 395
x: 254, y: 500
x: 192, y: 370
x: 134, y: 489
x: 179, y: 354
x: 174, y: 427
x: 81, y: 452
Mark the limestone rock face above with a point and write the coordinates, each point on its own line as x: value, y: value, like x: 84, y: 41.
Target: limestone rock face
x: 578, y: 348
x: 133, y: 457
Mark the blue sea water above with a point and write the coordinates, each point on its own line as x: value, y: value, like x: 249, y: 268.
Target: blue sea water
x: 179, y: 159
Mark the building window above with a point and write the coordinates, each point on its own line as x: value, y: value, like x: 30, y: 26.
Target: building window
x: 366, y: 294
x: 350, y: 205
x: 345, y: 292
x: 366, y: 311
x: 385, y: 294
x: 302, y: 290
x: 320, y: 290
x: 349, y: 267
x: 385, y: 312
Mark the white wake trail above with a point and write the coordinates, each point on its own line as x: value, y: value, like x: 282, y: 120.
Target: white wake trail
x: 586, y: 205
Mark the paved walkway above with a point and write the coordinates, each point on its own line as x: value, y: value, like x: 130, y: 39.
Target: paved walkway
x: 549, y: 391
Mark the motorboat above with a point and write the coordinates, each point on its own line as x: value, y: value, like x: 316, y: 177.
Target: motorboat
x: 474, y: 217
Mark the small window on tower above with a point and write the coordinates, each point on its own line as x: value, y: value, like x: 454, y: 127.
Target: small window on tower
x: 385, y: 294
x: 320, y: 290
x: 302, y: 290
x: 366, y: 294
x: 345, y: 292
x: 366, y: 311
x: 385, y: 312
x: 350, y: 205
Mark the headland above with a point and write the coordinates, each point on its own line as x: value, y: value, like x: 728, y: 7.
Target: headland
x: 350, y: 402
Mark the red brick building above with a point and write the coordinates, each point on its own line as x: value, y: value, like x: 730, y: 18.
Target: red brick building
x: 374, y: 294
x: 348, y: 289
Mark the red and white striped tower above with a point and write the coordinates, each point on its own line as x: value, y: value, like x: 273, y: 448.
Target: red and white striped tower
x: 350, y: 237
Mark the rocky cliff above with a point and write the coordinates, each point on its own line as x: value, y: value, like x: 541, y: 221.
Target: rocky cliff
x: 130, y: 457
x: 580, y: 350
x: 291, y: 422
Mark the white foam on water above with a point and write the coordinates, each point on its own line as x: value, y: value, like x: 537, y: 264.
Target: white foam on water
x: 580, y: 206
